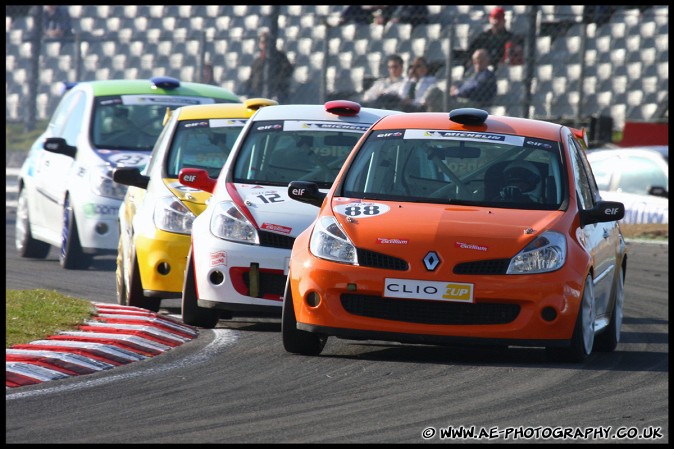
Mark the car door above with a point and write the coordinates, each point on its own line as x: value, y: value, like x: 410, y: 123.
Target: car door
x: 600, y: 239
x: 54, y: 169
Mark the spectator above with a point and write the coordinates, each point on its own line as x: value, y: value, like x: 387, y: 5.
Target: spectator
x: 57, y: 23
x: 367, y: 14
x: 599, y: 14
x: 385, y: 91
x: 479, y: 89
x: 414, y: 15
x: 280, y: 72
x: 207, y: 76
x: 514, y: 51
x: 493, y: 39
x: 418, y: 86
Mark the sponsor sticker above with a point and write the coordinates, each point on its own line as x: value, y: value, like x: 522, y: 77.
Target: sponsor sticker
x: 463, y: 245
x: 227, y: 122
x: 385, y: 241
x: 165, y: 100
x: 429, y: 290
x: 100, y: 210
x: 472, y: 136
x: 218, y: 258
x: 276, y: 228
x: 296, y: 125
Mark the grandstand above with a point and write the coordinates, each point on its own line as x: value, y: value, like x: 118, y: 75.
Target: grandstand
x: 618, y: 67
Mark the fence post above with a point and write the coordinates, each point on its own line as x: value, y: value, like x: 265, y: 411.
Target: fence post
x: 34, y: 75
x: 529, y: 61
x: 78, y: 56
x: 581, y: 80
x: 323, y: 90
x: 448, y: 65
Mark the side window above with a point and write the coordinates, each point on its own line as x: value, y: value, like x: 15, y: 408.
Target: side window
x: 642, y: 173
x: 60, y: 117
x: 586, y: 188
x: 73, y: 123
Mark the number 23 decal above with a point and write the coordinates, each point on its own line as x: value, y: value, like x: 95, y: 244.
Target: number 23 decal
x: 362, y: 210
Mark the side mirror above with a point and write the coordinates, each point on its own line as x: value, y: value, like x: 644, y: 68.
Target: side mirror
x: 658, y: 191
x: 59, y: 145
x: 130, y: 176
x: 197, y: 178
x: 306, y: 192
x: 603, y: 212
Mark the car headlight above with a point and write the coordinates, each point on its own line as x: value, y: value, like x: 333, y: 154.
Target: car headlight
x: 100, y: 179
x: 329, y: 241
x: 171, y: 215
x: 229, y: 223
x: 546, y: 253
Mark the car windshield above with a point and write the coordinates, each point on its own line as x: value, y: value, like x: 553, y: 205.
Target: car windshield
x: 277, y: 152
x: 440, y: 166
x: 133, y: 122
x: 202, y: 144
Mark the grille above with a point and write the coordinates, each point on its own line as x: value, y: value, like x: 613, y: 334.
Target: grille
x: 274, y: 240
x: 494, y: 266
x: 429, y: 312
x: 367, y: 258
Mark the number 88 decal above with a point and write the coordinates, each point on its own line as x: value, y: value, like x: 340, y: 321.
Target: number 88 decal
x: 362, y: 210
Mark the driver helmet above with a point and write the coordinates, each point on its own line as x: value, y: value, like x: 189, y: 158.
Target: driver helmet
x: 522, y: 174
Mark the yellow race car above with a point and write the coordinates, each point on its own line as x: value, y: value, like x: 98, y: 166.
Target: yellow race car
x: 155, y: 219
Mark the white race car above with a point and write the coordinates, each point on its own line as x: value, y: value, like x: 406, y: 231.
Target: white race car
x: 240, y: 253
x: 67, y: 197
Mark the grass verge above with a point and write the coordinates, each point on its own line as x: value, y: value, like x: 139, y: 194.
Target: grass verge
x: 17, y: 139
x: 36, y: 314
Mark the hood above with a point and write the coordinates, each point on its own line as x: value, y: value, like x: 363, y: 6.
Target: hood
x: 456, y: 233
x: 193, y: 199
x: 274, y: 211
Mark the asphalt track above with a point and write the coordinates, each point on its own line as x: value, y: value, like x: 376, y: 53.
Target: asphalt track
x: 236, y: 384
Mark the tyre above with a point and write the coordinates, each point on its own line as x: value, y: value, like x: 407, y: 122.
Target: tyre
x: 582, y: 340
x: 119, y: 275
x: 134, y: 290
x: 26, y: 245
x: 294, y: 340
x: 608, y: 340
x: 71, y: 256
x: 192, y: 313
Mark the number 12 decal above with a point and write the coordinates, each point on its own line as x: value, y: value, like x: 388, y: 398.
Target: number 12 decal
x: 270, y: 198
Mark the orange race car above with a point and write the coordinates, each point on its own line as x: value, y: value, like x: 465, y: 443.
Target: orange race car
x: 460, y: 228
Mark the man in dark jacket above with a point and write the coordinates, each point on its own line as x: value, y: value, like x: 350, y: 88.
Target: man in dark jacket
x: 479, y: 89
x: 493, y: 39
x: 279, y: 72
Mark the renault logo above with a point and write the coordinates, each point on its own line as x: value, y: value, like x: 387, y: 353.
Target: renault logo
x: 431, y: 261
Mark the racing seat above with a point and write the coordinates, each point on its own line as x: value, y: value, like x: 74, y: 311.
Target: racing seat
x: 289, y: 161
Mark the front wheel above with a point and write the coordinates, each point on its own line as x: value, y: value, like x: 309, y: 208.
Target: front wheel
x: 582, y: 340
x: 134, y: 290
x: 294, y: 340
x: 25, y: 244
x: 71, y: 256
x: 608, y: 340
x: 192, y: 313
